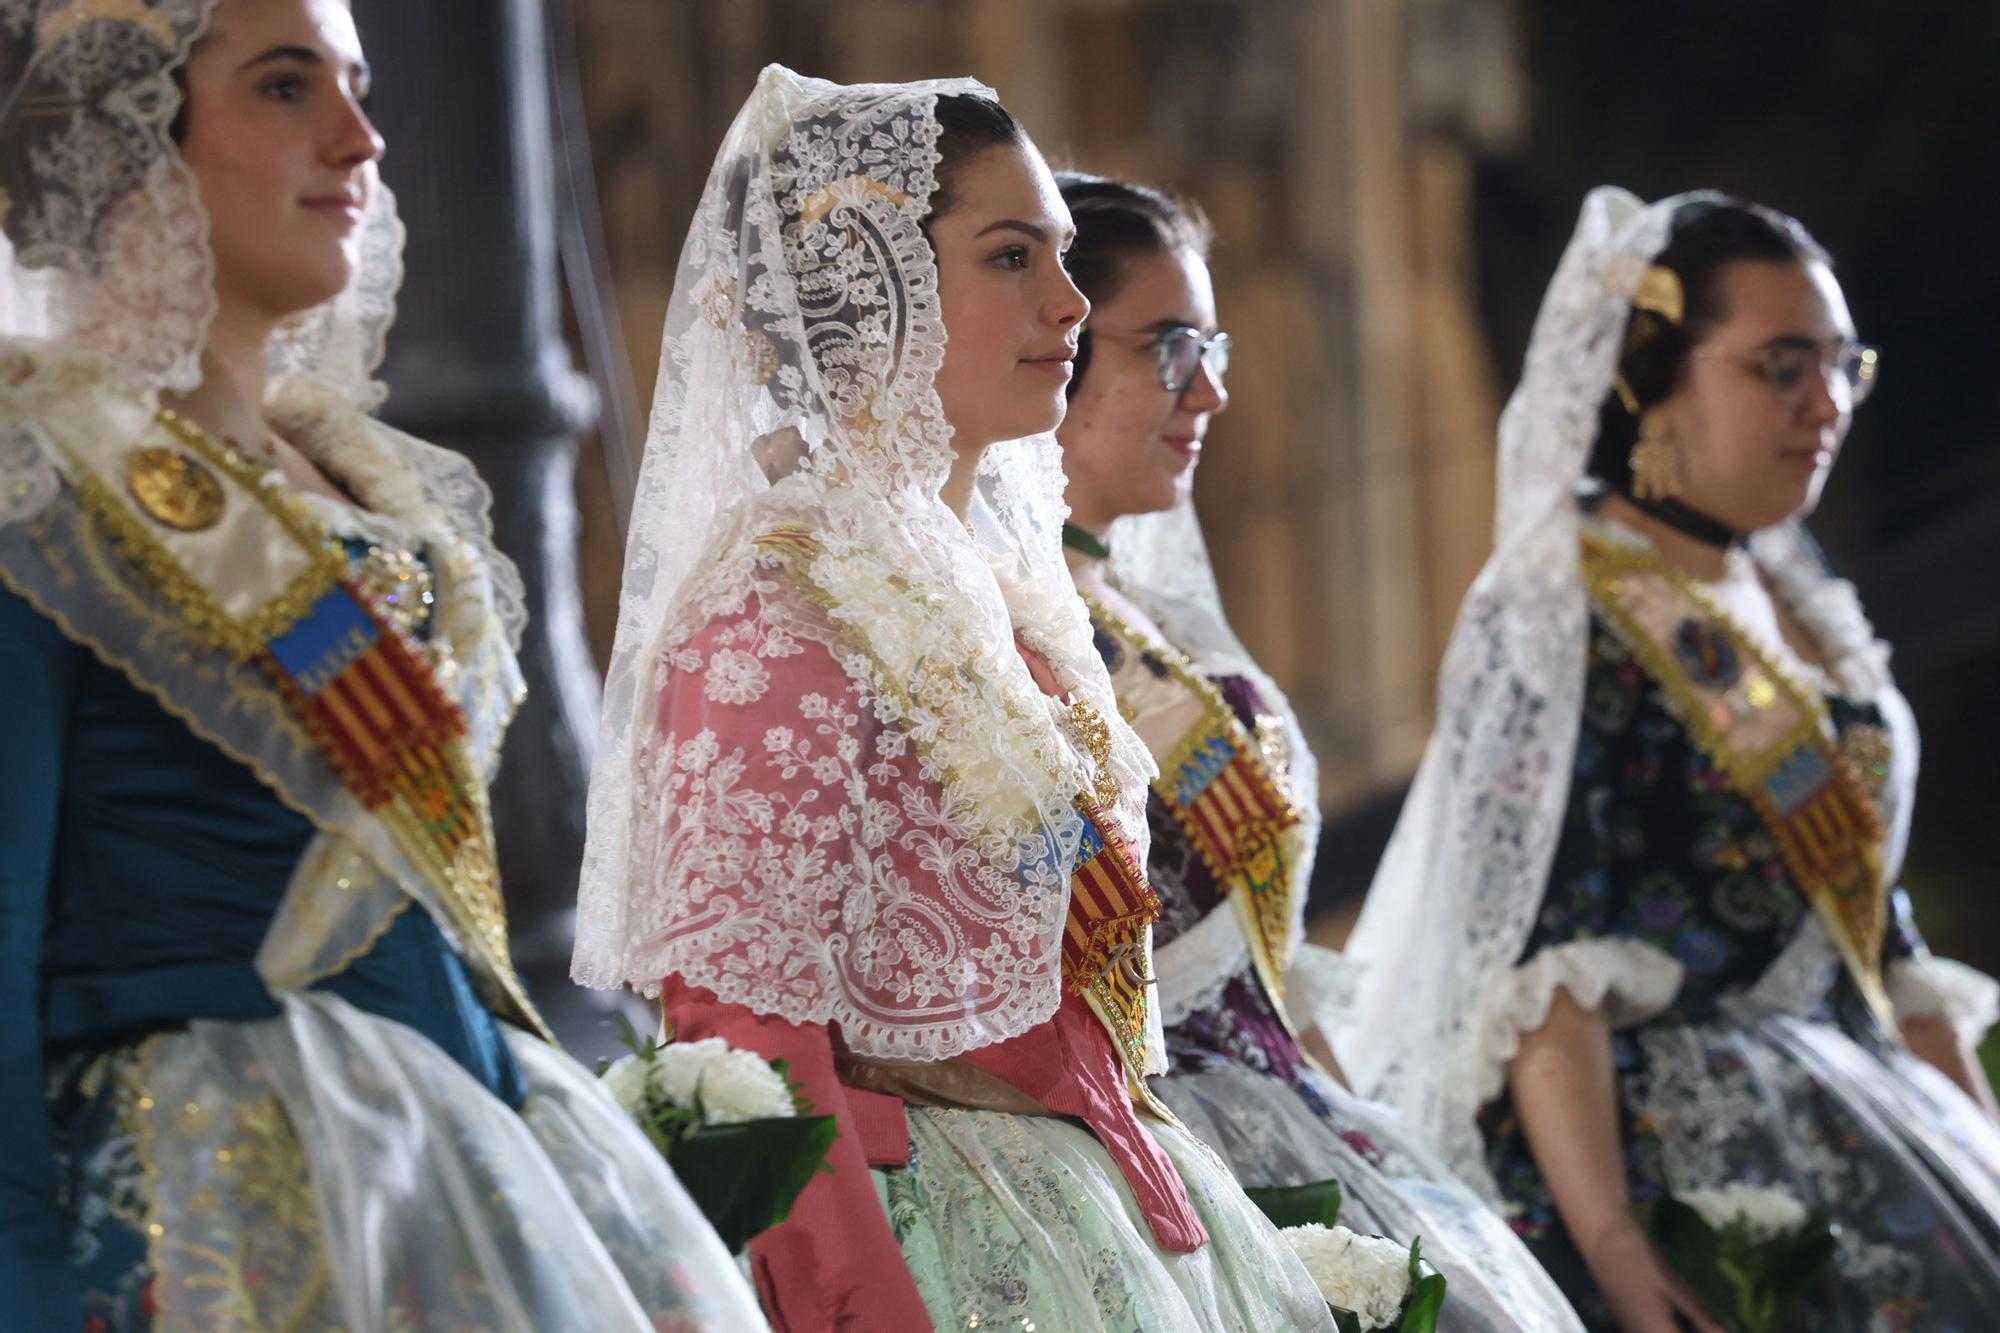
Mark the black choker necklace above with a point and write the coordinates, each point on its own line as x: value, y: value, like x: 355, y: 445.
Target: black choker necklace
x: 1086, y: 541
x: 1686, y: 521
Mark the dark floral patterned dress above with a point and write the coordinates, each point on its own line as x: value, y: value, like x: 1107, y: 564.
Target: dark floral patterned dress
x: 1760, y: 1063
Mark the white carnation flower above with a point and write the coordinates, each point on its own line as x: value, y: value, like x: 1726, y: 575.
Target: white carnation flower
x: 743, y: 1086
x: 679, y: 1065
x: 1367, y: 1276
x: 625, y: 1079
x: 735, y: 1085
x: 1767, y: 1214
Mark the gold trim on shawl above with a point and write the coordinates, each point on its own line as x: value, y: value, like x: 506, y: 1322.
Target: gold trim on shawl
x: 1245, y: 822
x: 1770, y: 737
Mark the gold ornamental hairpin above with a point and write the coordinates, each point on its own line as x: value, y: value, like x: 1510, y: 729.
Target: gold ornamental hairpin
x: 1652, y: 287
x: 848, y: 190
x: 138, y: 13
x: 1660, y: 291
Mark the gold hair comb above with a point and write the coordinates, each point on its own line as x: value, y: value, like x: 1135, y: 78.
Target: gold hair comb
x: 1659, y: 291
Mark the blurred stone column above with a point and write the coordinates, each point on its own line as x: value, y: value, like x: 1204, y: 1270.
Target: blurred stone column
x: 477, y: 363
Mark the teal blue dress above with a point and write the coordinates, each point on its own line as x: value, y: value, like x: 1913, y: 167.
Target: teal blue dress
x: 267, y: 1064
x: 140, y: 869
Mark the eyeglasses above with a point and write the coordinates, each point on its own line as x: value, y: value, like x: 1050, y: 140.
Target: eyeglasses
x: 1181, y: 350
x: 1787, y: 369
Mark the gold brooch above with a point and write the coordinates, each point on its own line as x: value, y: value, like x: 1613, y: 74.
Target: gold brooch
x: 1870, y: 749
x: 717, y: 302
x: 174, y: 489
x: 757, y: 356
x: 1095, y: 734
x: 401, y: 585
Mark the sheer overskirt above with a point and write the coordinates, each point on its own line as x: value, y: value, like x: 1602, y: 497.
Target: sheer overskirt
x: 328, y: 1169
x: 1902, y: 1161
x: 1270, y: 1135
x: 1012, y: 1221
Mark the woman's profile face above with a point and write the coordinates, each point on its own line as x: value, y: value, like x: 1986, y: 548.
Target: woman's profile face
x: 282, y: 152
x: 1759, y: 413
x: 1129, y: 443
x: 1010, y: 310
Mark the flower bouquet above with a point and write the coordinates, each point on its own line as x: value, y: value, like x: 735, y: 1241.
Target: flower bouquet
x: 1748, y: 1253
x: 735, y: 1129
x: 1370, y: 1282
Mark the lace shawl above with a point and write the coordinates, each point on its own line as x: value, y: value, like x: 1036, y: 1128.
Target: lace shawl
x: 911, y: 817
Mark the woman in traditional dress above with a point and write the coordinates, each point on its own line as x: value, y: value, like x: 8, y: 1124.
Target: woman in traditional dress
x: 1234, y: 812
x: 1638, y: 932
x: 862, y: 798
x: 266, y: 1063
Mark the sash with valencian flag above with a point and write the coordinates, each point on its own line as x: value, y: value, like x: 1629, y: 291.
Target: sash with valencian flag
x: 1770, y: 738
x: 249, y: 571
x: 1228, y: 798
x: 375, y: 710
x: 1105, y: 957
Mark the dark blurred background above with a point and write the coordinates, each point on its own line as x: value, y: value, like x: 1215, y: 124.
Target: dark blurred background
x: 1875, y: 125
x: 1391, y: 181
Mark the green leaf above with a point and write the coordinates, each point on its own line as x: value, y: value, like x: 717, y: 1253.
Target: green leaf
x: 746, y: 1177
x: 1755, y: 1286
x: 1299, y: 1205
x: 627, y: 1033
x: 1425, y: 1303
x: 631, y: 1041
x: 700, y: 1111
x: 1742, y: 1295
x: 1807, y: 1256
x: 801, y: 1104
x: 659, y: 1137
x: 1346, y: 1320
x: 1693, y: 1250
x: 667, y: 1124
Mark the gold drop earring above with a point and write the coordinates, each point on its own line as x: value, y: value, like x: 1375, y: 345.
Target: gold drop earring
x: 1656, y: 466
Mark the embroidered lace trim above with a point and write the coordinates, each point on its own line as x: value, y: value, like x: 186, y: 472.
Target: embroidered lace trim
x: 1630, y: 981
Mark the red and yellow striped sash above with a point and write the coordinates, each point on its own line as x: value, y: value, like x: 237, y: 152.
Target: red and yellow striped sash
x: 1768, y: 735
x: 1106, y: 953
x: 360, y: 687
x: 1235, y: 808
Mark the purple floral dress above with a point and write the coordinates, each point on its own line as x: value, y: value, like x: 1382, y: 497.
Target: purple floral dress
x: 1238, y: 1078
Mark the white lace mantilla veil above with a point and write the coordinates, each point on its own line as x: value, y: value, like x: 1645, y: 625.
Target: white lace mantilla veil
x: 103, y: 241
x: 106, y: 294
x: 105, y: 261
x: 105, y: 298
x: 796, y: 395
x: 1161, y: 561
x: 1439, y: 1007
